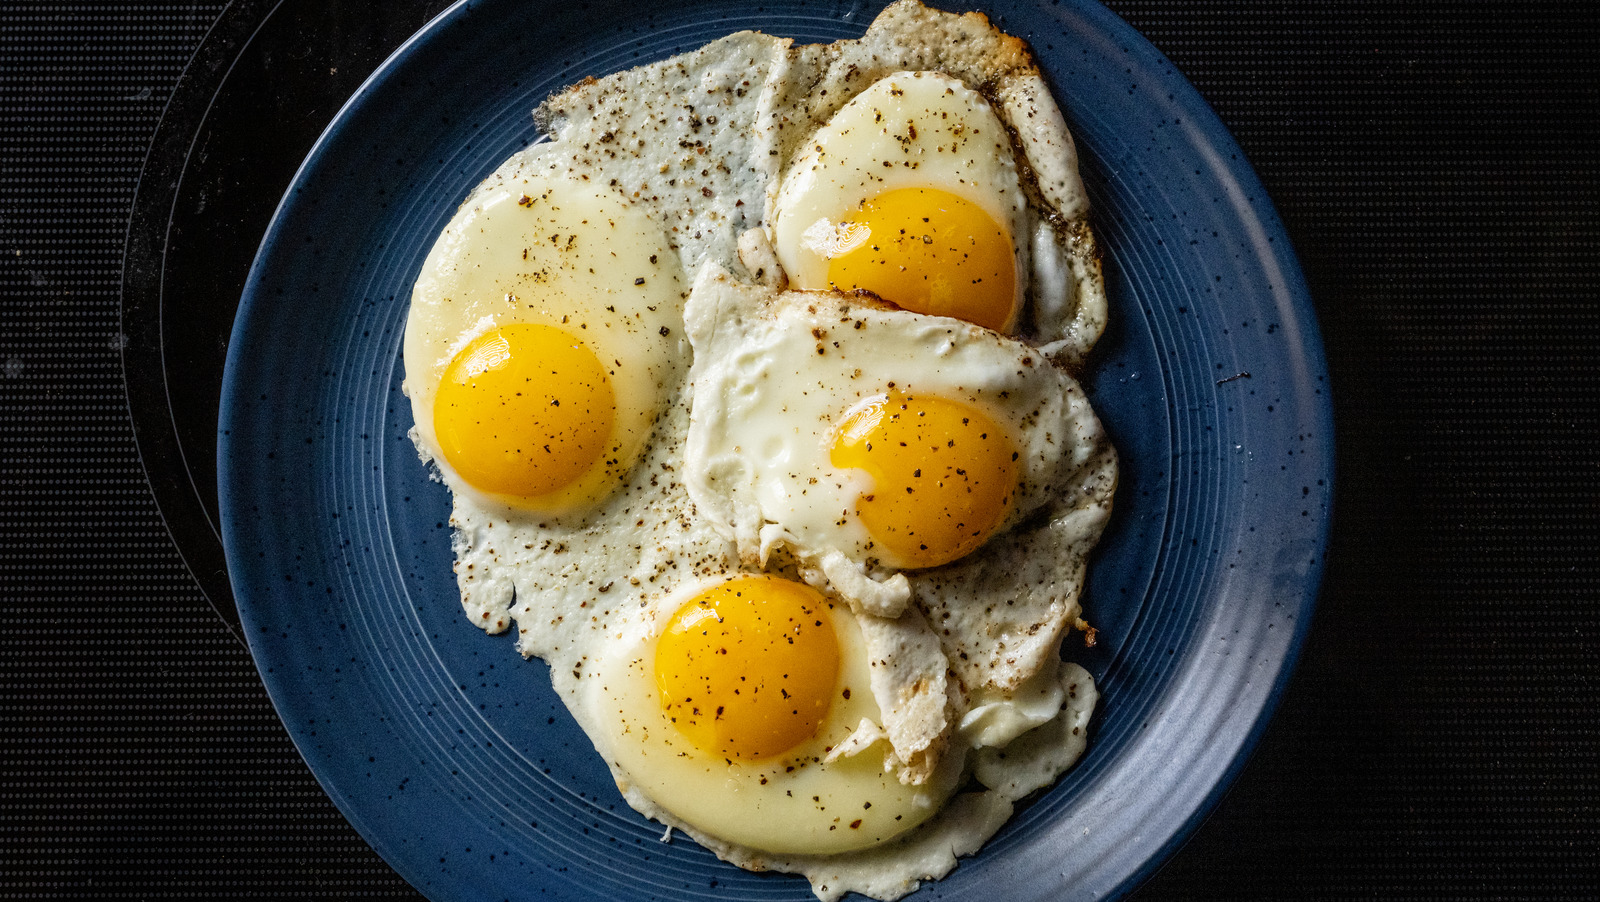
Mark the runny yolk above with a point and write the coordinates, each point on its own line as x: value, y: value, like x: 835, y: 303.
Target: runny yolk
x: 524, y: 410
x: 927, y: 251
x: 943, y: 474
x: 747, y: 669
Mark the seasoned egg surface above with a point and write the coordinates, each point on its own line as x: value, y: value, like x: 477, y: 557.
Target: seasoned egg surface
x: 1063, y: 305
x: 542, y: 343
x: 733, y: 711
x: 910, y: 192
x: 833, y: 427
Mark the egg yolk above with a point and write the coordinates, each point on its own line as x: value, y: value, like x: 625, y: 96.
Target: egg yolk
x: 747, y: 669
x: 943, y: 474
x: 524, y: 410
x: 927, y: 251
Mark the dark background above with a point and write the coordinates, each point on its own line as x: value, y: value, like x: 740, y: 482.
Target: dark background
x: 1436, y: 164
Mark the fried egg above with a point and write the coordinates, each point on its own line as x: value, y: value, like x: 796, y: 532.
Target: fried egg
x: 560, y: 574
x: 734, y: 710
x: 840, y: 91
x: 866, y: 439
x: 910, y: 192
x: 542, y: 344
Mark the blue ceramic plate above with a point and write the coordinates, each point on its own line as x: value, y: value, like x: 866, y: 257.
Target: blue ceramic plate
x: 452, y: 756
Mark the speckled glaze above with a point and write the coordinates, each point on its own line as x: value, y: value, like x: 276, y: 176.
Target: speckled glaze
x: 455, y: 759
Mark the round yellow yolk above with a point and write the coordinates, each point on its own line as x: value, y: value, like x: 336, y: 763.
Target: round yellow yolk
x: 928, y: 251
x: 524, y: 410
x: 943, y: 474
x: 747, y: 669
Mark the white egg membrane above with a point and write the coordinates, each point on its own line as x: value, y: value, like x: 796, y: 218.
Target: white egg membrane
x: 698, y: 142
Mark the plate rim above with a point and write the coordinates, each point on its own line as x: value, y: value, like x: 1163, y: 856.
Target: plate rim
x: 1310, y: 348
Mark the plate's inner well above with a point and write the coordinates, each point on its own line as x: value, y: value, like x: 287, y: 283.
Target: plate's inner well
x: 452, y: 755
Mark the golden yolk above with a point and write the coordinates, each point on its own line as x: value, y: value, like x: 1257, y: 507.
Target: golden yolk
x: 524, y: 410
x: 943, y: 474
x: 747, y: 669
x: 928, y: 251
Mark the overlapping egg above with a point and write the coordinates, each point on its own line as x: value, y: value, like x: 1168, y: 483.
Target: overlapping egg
x: 542, y: 343
x: 832, y: 425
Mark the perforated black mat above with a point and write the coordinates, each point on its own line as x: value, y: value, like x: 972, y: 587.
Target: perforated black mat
x: 1435, y: 163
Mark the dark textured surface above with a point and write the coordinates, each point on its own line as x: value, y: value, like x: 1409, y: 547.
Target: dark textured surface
x: 1435, y: 165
